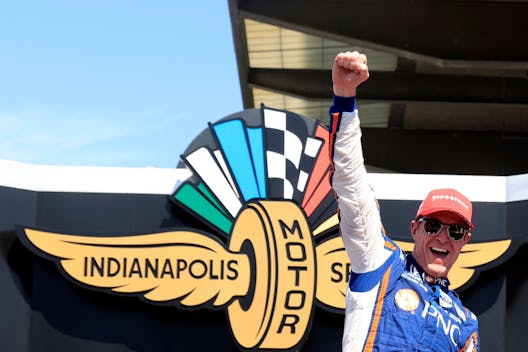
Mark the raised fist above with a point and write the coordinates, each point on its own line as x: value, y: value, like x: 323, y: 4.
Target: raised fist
x: 348, y: 72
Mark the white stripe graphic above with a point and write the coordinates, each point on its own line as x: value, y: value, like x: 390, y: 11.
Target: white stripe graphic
x: 205, y: 166
x: 220, y: 158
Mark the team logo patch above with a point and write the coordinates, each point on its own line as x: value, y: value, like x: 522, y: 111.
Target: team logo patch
x: 445, y: 301
x: 407, y: 299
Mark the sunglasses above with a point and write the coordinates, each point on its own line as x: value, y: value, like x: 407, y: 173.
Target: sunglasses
x: 433, y: 227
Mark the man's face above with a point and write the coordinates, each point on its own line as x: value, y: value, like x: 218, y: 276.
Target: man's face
x: 436, y: 254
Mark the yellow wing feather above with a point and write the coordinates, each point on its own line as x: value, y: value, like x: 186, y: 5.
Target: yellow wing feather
x: 178, y: 265
x: 333, y: 269
x: 473, y: 255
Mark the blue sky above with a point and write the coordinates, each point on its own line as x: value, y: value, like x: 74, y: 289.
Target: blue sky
x: 112, y: 83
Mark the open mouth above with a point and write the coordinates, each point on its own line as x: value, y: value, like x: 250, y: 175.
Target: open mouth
x: 439, y: 252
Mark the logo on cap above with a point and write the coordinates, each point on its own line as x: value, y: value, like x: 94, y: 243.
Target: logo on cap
x: 446, y: 200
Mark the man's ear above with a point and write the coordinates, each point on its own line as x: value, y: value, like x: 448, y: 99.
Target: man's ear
x: 468, y: 237
x: 414, y: 227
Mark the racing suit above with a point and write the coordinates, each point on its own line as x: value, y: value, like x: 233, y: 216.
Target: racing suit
x: 391, y: 303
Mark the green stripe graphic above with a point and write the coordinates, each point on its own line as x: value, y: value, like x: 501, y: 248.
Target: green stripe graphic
x: 203, y: 206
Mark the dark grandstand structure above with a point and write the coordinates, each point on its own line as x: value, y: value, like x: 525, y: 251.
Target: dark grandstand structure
x: 448, y: 91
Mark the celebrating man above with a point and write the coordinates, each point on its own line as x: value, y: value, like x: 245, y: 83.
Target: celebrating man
x: 394, y: 302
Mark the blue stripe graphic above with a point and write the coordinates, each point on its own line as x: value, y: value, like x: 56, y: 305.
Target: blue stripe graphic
x: 256, y: 142
x: 234, y: 143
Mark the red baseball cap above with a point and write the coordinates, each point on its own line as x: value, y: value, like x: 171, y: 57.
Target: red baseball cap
x: 447, y: 200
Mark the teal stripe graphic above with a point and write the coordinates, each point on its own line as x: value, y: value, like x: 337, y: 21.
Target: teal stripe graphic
x: 201, y: 187
x: 200, y: 204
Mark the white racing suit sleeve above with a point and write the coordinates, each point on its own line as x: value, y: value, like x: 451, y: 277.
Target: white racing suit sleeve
x: 377, y: 316
x: 361, y: 229
x: 360, y: 222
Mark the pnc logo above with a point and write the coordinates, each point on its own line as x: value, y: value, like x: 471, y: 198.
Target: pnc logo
x: 272, y: 250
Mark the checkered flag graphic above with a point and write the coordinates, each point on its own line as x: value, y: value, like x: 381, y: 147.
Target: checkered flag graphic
x: 310, y: 153
x: 262, y: 154
x: 291, y: 153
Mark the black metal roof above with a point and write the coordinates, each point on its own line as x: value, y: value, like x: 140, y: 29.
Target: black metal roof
x: 453, y: 98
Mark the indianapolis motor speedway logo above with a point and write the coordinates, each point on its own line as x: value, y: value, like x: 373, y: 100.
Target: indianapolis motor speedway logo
x: 272, y: 250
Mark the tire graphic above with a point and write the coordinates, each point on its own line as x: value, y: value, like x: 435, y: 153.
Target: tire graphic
x: 281, y: 308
